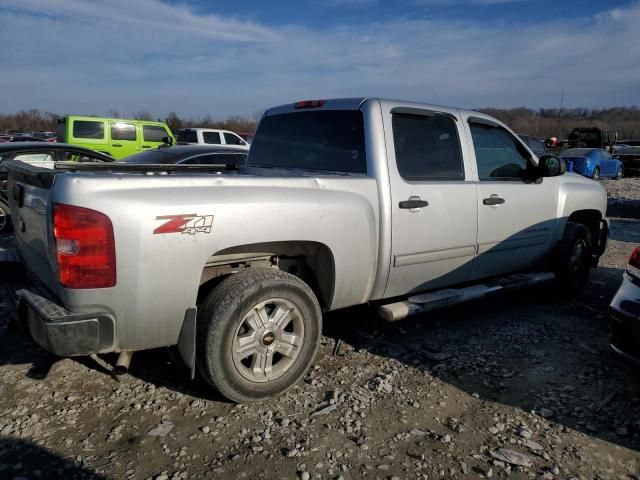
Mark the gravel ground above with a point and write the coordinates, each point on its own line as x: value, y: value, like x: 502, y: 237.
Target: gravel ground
x: 625, y: 188
x: 519, y: 386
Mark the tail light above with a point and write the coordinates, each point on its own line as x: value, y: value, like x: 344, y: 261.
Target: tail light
x: 633, y: 267
x: 85, y: 248
x: 309, y: 104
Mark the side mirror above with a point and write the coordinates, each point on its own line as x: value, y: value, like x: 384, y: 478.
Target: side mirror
x: 167, y: 140
x: 551, y: 166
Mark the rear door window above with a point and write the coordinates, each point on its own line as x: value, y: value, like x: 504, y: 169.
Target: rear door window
x: 123, y: 131
x: 153, y: 133
x: 212, y: 138
x: 88, y: 129
x: 427, y: 147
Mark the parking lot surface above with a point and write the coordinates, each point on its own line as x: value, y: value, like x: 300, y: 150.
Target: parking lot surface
x: 523, y: 385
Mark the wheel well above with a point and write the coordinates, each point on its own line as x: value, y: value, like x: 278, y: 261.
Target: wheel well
x: 312, y: 262
x: 590, y: 219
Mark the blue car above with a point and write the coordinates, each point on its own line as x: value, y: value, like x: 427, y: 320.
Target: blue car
x: 593, y: 163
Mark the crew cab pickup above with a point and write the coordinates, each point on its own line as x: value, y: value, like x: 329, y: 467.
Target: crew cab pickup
x: 342, y: 202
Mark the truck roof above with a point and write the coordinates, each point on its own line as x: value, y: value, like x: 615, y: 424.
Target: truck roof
x: 356, y: 102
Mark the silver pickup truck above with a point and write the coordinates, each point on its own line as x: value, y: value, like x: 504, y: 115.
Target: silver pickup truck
x: 342, y: 202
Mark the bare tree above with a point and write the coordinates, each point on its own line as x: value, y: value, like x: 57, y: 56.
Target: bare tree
x: 142, y: 115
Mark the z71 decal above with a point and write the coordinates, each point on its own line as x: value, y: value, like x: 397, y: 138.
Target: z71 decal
x: 186, y: 224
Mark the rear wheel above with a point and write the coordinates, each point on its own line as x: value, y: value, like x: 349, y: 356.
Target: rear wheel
x: 596, y: 174
x: 5, y: 218
x: 573, y: 261
x: 258, y: 333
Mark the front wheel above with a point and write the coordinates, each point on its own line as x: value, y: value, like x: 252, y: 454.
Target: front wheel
x: 258, y: 334
x: 5, y: 218
x: 596, y: 174
x: 619, y: 173
x: 573, y: 261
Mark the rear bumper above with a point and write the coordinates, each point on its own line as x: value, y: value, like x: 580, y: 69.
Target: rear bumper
x: 60, y: 331
x: 52, y: 326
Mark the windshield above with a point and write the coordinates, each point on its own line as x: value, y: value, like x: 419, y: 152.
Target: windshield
x: 330, y: 140
x: 576, y: 152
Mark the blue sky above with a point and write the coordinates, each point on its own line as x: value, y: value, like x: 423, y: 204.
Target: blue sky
x: 224, y: 57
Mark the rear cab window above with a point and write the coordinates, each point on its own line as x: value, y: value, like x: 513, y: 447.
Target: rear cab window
x: 326, y: 140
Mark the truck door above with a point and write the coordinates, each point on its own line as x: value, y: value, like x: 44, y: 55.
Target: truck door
x: 124, y: 139
x: 434, y: 207
x: 516, y: 219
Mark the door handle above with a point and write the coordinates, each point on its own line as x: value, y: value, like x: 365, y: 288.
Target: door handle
x: 116, y: 145
x: 146, y: 146
x: 414, y: 204
x: 493, y: 200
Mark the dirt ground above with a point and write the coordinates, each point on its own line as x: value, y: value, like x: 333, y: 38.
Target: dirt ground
x: 519, y: 386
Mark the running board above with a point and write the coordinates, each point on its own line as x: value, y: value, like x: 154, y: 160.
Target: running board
x: 425, y: 302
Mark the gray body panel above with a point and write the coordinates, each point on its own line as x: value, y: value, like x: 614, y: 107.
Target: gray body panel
x: 377, y: 250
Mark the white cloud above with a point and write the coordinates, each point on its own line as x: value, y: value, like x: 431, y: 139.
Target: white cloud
x: 73, y: 56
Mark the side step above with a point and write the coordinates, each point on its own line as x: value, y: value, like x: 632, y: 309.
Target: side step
x: 425, y: 302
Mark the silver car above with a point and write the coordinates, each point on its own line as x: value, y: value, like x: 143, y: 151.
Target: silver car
x: 624, y: 311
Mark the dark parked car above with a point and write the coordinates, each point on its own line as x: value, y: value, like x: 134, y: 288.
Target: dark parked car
x: 535, y: 144
x: 630, y: 158
x: 22, y: 138
x: 624, y: 311
x: 593, y: 163
x: 190, y: 155
x: 38, y: 153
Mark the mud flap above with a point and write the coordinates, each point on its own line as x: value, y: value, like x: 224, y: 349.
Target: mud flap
x: 601, y: 242
x: 187, y: 340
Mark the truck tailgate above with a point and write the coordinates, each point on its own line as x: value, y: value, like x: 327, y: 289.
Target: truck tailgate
x: 29, y: 190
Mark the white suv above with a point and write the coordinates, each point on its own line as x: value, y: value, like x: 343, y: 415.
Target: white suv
x: 210, y: 136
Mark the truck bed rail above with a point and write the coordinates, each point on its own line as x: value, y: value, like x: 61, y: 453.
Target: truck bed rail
x: 43, y: 177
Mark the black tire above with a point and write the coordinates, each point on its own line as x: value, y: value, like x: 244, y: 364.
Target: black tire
x: 596, y: 174
x: 222, y: 320
x: 573, y: 258
x: 619, y: 174
x: 5, y: 218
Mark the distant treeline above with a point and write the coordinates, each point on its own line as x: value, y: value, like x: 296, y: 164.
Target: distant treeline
x: 556, y: 122
x: 543, y: 123
x: 36, y: 120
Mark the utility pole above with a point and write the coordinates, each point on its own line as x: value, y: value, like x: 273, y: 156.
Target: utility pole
x: 560, y: 113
